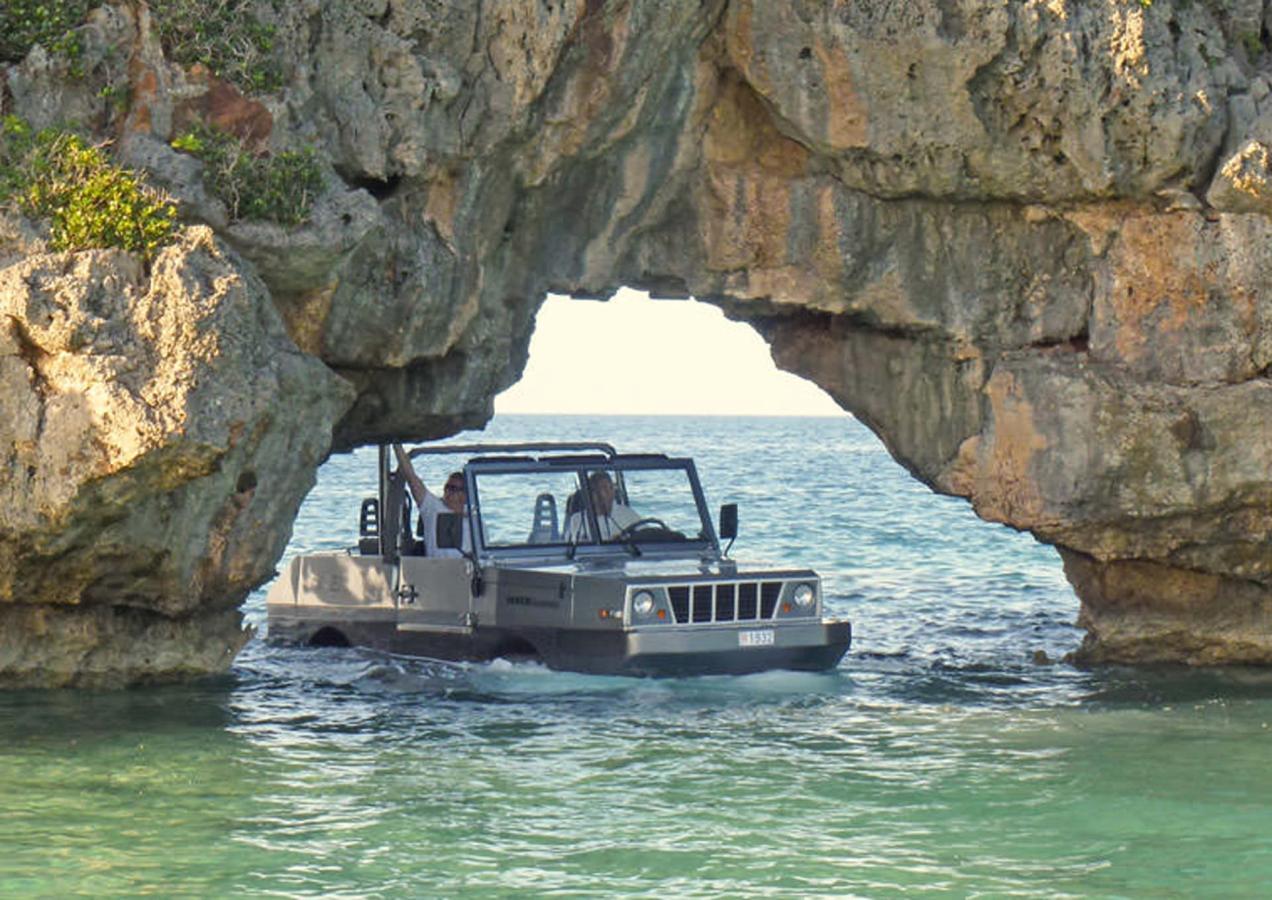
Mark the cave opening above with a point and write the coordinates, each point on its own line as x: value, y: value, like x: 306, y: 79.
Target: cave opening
x: 635, y: 355
x: 917, y: 572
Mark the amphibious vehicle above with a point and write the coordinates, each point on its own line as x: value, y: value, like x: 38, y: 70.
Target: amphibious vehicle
x: 574, y: 555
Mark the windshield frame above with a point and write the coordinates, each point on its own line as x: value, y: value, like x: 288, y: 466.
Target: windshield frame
x: 580, y: 465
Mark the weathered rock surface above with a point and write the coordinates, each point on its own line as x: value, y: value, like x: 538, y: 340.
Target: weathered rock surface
x: 159, y: 430
x: 1026, y: 242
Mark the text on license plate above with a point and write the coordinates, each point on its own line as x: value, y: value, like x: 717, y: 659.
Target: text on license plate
x: 761, y: 638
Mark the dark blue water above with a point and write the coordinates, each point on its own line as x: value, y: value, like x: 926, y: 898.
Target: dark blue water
x: 939, y: 759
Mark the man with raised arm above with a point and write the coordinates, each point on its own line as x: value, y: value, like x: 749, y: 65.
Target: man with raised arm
x: 454, y: 500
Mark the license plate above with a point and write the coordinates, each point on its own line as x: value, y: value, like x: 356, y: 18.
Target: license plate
x: 761, y: 638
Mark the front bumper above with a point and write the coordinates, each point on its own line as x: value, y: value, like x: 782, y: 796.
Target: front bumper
x: 814, y: 646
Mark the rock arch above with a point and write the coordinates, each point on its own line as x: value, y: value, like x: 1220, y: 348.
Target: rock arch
x: 1027, y: 244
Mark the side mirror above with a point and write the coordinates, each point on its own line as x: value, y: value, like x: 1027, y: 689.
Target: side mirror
x: 728, y: 521
x: 450, y: 531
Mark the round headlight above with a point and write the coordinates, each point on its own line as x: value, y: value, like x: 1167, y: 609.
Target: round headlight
x: 804, y: 595
x: 643, y: 603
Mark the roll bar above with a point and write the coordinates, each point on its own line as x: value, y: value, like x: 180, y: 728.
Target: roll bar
x: 386, y: 461
x: 532, y: 447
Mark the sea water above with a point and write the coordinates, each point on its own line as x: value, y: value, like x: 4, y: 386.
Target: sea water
x: 939, y: 759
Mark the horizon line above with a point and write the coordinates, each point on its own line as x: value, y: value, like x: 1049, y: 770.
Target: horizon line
x: 719, y: 415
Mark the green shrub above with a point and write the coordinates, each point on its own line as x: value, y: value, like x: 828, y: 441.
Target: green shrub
x: 16, y: 143
x: 50, y: 23
x: 87, y: 200
x: 280, y: 187
x: 223, y: 35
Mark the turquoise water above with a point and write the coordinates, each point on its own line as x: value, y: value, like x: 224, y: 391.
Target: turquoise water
x: 939, y: 759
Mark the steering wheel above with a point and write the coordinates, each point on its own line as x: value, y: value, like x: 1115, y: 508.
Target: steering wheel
x: 642, y: 523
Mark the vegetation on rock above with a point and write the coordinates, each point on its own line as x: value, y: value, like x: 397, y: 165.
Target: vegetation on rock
x: 279, y: 187
x: 225, y: 36
x: 89, y: 202
x: 50, y: 23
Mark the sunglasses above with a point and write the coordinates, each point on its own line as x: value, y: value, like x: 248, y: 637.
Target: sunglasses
x: 453, y: 489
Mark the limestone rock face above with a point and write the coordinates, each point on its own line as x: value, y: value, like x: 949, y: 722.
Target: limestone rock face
x: 1026, y: 242
x: 158, y: 430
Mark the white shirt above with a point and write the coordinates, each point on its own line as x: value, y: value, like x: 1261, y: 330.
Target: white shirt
x: 429, y: 510
x: 619, y: 517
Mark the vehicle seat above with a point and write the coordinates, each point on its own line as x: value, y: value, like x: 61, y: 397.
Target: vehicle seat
x: 369, y: 527
x: 544, y: 529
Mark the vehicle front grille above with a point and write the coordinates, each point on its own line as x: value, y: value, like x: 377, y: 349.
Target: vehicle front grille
x: 769, y: 592
x: 679, y: 603
x: 725, y: 602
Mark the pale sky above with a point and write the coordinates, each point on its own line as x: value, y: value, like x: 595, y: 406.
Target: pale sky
x: 635, y: 356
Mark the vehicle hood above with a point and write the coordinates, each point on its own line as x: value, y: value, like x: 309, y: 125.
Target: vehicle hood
x: 633, y: 569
